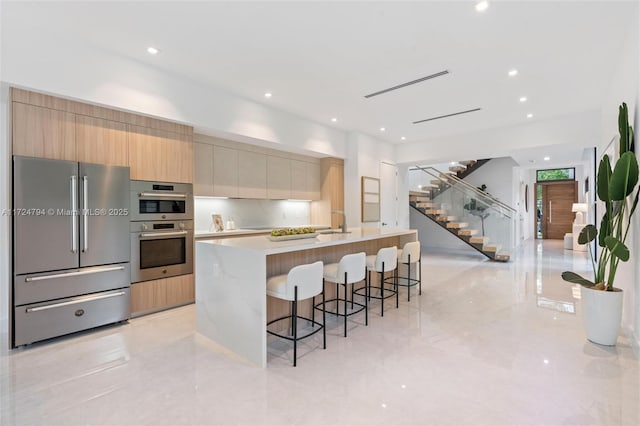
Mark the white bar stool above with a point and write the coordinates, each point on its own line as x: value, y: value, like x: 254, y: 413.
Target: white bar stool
x: 385, y: 261
x: 350, y: 270
x: 408, y: 255
x: 302, y: 282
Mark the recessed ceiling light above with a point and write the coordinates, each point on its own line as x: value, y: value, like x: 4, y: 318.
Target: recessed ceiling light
x: 523, y: 99
x: 403, y: 138
x: 452, y: 163
x: 268, y: 95
x: 547, y: 158
x: 152, y: 50
x: 529, y: 115
x: 513, y: 72
x: 482, y: 6
x: 382, y: 129
x: 334, y: 119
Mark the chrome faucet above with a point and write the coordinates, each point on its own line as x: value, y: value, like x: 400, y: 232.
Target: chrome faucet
x: 343, y: 226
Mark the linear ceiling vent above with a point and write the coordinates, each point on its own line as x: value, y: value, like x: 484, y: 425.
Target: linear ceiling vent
x: 408, y: 83
x: 448, y: 115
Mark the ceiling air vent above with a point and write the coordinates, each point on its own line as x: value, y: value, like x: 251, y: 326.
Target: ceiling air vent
x: 448, y: 115
x: 408, y: 83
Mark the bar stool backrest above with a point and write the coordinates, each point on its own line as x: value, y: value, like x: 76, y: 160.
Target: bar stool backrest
x: 388, y: 256
x: 410, y: 249
x: 354, y: 265
x: 308, y: 278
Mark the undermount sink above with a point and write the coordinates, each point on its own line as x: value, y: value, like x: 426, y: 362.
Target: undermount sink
x: 334, y: 232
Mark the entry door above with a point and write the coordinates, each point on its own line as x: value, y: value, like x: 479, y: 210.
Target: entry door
x: 388, y: 195
x: 557, y: 217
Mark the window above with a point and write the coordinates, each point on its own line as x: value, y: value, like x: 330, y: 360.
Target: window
x: 555, y: 174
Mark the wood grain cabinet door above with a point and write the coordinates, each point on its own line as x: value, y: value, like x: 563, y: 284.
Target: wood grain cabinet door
x: 43, y: 132
x: 225, y: 172
x: 158, y: 155
x: 203, y: 169
x: 299, y: 180
x: 278, y: 177
x: 101, y: 141
x: 252, y: 175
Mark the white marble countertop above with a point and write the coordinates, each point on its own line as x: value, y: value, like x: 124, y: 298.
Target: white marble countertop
x: 241, y: 231
x: 263, y: 244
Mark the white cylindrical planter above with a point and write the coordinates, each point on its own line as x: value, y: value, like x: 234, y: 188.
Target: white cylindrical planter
x: 602, y: 313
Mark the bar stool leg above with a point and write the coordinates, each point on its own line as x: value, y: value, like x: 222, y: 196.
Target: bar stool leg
x: 397, y: 286
x: 324, y: 320
x: 366, y: 305
x: 382, y: 290
x: 409, y: 280
x: 295, y: 325
x: 419, y: 271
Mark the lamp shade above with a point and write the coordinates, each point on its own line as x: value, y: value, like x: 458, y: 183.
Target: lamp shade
x: 579, y: 207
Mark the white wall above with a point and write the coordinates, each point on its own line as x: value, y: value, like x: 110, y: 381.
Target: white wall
x: 252, y: 213
x: 364, y: 154
x: 625, y: 87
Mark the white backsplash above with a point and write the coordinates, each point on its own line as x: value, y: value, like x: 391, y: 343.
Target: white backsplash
x: 251, y: 213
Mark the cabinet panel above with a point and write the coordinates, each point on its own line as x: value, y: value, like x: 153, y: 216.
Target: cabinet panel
x: 159, y: 155
x: 44, y: 133
x: 225, y: 172
x: 157, y: 295
x: 252, y: 175
x: 278, y: 177
x: 299, y: 179
x: 314, y: 182
x: 203, y: 169
x: 101, y: 141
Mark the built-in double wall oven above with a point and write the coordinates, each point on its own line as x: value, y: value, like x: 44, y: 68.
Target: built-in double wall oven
x: 161, y: 230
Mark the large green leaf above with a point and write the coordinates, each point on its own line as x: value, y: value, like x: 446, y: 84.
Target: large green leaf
x: 587, y: 234
x: 605, y: 230
x: 624, y: 177
x: 635, y: 203
x: 572, y: 277
x: 617, y: 248
x: 623, y: 127
x: 604, y: 175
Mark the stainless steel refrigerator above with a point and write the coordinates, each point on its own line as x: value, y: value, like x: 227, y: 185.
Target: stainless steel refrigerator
x: 70, y: 247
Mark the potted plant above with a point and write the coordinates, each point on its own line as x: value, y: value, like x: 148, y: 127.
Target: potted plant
x: 602, y: 302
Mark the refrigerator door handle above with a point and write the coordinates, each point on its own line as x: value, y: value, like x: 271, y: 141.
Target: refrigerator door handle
x: 74, y: 214
x: 75, y: 302
x: 85, y: 213
x: 74, y: 274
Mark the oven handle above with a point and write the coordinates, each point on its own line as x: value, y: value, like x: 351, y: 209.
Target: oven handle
x: 160, y: 195
x: 162, y: 234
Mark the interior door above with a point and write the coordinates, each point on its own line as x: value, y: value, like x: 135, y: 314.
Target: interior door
x: 557, y: 217
x: 388, y: 195
x: 104, y: 218
x: 45, y: 230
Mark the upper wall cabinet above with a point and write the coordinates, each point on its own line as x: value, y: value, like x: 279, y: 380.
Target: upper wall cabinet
x: 225, y: 172
x: 43, y: 132
x: 278, y: 177
x: 203, y: 169
x: 252, y: 175
x: 159, y: 155
x: 101, y: 141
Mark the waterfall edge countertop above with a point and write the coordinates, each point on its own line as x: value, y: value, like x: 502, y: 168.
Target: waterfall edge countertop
x: 231, y: 280
x: 265, y: 245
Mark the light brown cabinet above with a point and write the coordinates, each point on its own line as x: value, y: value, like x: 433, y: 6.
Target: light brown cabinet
x: 203, y: 169
x: 252, y: 175
x: 225, y: 172
x: 278, y: 177
x: 43, y: 132
x: 305, y: 180
x: 158, y: 155
x: 101, y: 141
x: 157, y: 295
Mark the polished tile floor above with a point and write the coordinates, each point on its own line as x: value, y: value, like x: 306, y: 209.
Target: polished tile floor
x: 486, y: 344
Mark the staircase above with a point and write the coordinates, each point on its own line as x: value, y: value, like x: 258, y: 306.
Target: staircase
x: 451, y: 211
x: 460, y: 170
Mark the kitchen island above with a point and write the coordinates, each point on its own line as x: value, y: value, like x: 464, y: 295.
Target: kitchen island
x: 231, y: 276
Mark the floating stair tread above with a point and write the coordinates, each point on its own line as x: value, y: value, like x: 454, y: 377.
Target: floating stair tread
x: 502, y: 257
x: 468, y: 232
x: 428, y: 204
x: 468, y: 163
x: 435, y: 211
x: 479, y: 240
x: 492, y: 247
x: 457, y: 169
x: 457, y: 225
x: 445, y: 218
x: 436, y: 182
